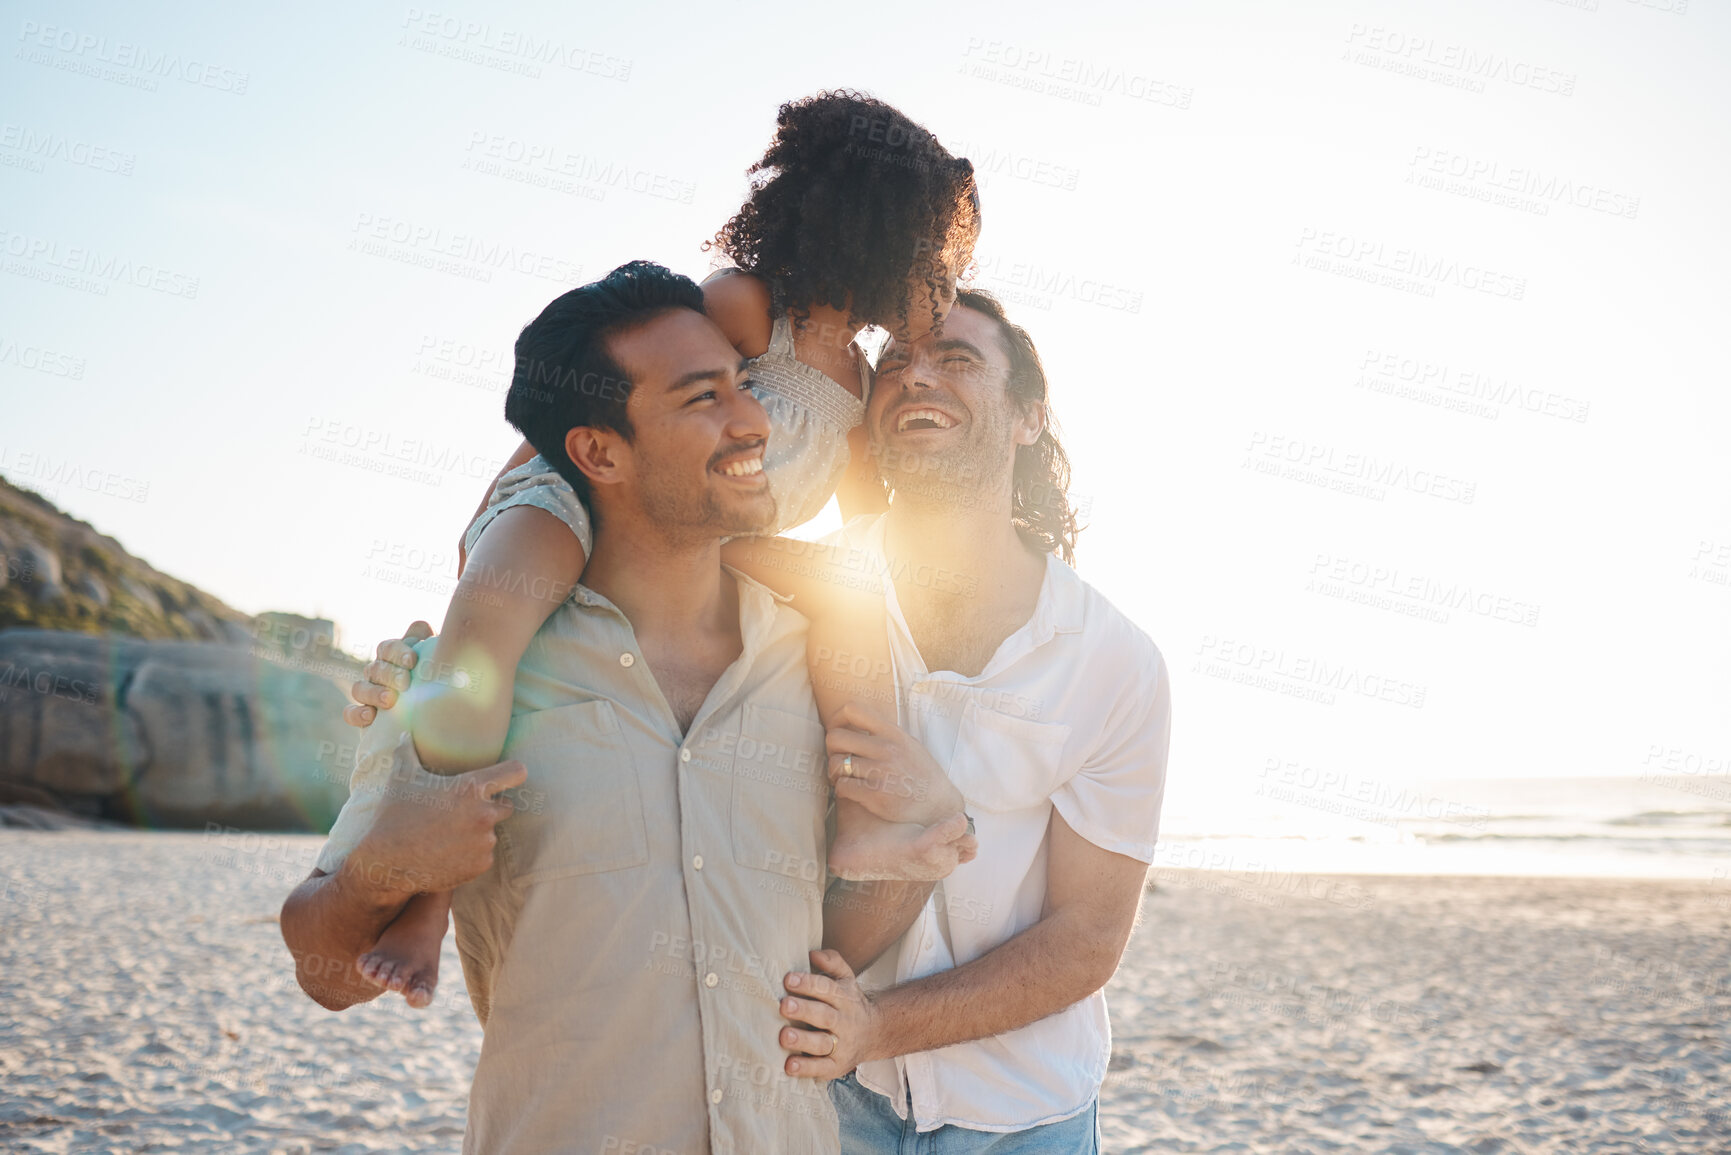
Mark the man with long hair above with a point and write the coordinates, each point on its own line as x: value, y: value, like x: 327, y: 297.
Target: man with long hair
x: 988, y: 1022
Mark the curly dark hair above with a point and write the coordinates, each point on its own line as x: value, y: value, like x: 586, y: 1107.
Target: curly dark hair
x: 1040, y: 482
x: 851, y: 202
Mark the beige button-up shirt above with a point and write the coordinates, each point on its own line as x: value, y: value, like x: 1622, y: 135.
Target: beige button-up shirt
x: 625, y: 954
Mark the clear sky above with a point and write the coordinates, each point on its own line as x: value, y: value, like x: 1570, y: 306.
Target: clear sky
x: 1388, y: 339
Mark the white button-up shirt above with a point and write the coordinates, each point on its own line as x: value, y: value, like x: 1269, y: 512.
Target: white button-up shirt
x: 1068, y: 714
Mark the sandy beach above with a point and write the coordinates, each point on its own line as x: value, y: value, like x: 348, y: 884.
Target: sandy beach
x: 147, y: 1006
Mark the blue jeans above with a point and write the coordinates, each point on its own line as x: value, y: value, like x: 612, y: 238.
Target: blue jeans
x: 869, y: 1126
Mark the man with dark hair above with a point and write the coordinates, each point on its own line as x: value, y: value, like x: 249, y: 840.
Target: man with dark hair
x: 987, y: 1030
x: 567, y: 376
x: 624, y: 942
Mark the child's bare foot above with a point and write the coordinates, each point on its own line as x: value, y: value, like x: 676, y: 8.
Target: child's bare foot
x: 406, y: 957
x: 867, y: 847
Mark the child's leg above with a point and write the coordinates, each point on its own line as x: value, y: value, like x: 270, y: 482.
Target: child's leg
x: 406, y: 957
x: 903, y: 827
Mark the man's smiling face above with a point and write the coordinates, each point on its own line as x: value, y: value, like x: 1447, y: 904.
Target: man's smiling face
x: 941, y: 417
x: 695, y: 458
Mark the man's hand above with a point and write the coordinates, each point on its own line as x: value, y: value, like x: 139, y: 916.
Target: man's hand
x: 386, y: 676
x: 431, y: 832
x: 879, y: 765
x: 835, y: 1026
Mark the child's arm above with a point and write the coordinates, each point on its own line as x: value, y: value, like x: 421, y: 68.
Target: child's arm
x: 738, y: 303
x: 524, y: 565
x: 897, y: 813
x: 522, y: 453
x: 836, y: 588
x: 821, y: 579
x: 853, y: 682
x: 860, y: 490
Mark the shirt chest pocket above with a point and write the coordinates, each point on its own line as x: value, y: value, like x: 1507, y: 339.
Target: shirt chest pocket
x: 780, y: 794
x: 1002, y: 764
x: 581, y: 811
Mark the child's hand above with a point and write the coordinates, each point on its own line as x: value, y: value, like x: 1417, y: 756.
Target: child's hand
x: 385, y: 677
x: 878, y: 764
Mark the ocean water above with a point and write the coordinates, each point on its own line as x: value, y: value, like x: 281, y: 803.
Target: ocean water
x: 1298, y: 819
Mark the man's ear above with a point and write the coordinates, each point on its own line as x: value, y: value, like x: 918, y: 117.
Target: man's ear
x: 596, y: 453
x: 1030, y: 423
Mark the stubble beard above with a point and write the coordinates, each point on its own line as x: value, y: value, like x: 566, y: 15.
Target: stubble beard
x: 704, y: 516
x: 972, y: 475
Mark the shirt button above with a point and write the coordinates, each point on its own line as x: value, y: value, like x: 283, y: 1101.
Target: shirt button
x: 709, y: 980
x: 697, y: 862
x: 715, y: 1096
x: 627, y: 660
x: 684, y: 754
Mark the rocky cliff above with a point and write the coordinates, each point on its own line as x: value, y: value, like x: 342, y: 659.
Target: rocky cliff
x: 129, y: 695
x: 58, y: 573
